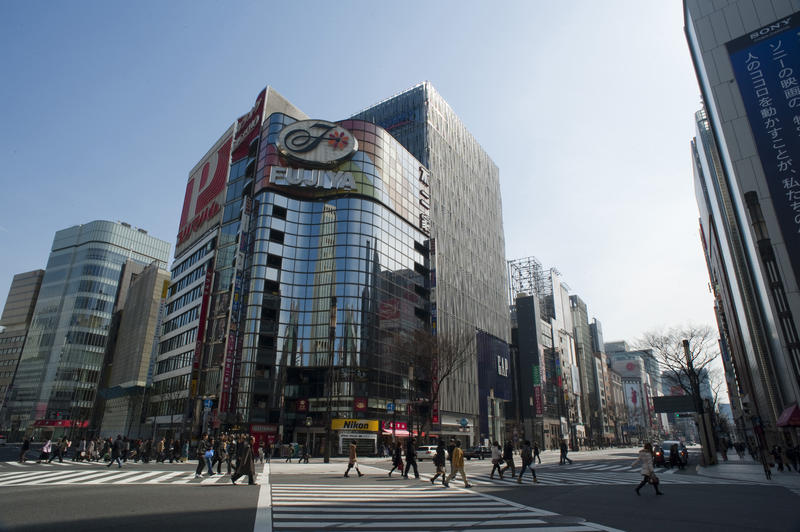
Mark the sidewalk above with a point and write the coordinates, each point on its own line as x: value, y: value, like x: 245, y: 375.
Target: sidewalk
x: 749, y: 471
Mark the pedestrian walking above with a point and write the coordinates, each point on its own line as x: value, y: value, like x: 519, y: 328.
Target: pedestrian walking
x: 527, y: 461
x: 245, y: 464
x: 497, y: 459
x: 209, y: 456
x: 23, y: 450
x: 440, y: 462
x: 116, y: 452
x: 411, y: 458
x: 564, y: 451
x: 457, y: 465
x: 126, y: 448
x: 290, y: 454
x: 645, y: 459
x: 219, y: 454
x: 304, y: 453
x: 80, y: 452
x: 353, y: 461
x: 777, y: 454
x: 90, y: 451
x: 508, y: 458
x: 202, y: 446
x: 45, y: 454
x: 397, y: 458
x: 536, y: 452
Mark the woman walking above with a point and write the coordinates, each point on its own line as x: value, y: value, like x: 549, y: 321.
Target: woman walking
x: 439, y: 461
x: 645, y: 459
x: 497, y: 455
x: 397, y: 458
x: 353, y: 461
x: 245, y: 463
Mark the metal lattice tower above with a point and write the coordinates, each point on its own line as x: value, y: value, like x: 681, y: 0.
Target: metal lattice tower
x: 528, y: 276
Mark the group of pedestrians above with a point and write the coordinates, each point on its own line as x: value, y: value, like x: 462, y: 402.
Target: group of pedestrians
x: 236, y: 452
x: 99, y: 449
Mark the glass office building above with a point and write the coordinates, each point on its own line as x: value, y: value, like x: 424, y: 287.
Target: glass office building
x: 323, y: 270
x: 56, y: 381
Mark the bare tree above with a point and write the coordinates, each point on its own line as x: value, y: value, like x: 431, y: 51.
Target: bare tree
x: 687, y: 368
x: 436, y: 358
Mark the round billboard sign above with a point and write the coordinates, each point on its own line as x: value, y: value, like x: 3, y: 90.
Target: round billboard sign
x: 317, y: 143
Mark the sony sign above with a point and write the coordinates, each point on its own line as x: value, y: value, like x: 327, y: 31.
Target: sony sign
x: 316, y: 143
x: 279, y: 175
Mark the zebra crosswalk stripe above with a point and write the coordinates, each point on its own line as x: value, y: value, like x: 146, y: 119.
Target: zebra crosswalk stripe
x: 359, y: 507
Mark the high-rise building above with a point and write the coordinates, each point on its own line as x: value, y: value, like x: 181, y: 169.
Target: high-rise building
x: 14, y: 323
x: 311, y: 252
x: 56, y: 381
x: 548, y: 376
x: 587, y: 369
x: 131, y: 351
x: 465, y: 220
x: 746, y: 151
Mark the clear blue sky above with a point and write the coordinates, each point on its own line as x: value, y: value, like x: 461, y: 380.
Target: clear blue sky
x: 586, y: 107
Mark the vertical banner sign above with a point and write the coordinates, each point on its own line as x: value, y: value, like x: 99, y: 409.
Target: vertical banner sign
x: 766, y: 63
x: 201, y: 327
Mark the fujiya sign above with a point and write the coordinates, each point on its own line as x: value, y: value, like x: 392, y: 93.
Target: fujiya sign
x: 317, y: 143
x: 279, y: 175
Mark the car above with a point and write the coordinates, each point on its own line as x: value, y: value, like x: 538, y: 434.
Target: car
x: 478, y: 451
x: 658, y: 456
x: 427, y: 452
x: 666, y: 447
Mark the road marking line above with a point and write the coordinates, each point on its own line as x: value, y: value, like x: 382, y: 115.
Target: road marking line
x: 156, y: 480
x: 263, y: 522
x: 94, y: 476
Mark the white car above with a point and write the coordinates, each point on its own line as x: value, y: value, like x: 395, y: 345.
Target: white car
x: 428, y: 451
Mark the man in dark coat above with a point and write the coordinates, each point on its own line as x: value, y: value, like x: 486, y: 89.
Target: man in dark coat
x: 116, y: 451
x: 246, y: 465
x: 411, y: 458
x: 508, y: 458
x: 202, y: 446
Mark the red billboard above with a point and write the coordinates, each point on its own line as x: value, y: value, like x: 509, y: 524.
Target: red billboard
x: 202, y: 204
x: 248, y: 127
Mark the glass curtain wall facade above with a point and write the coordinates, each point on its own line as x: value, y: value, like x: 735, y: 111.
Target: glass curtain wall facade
x: 59, y: 369
x: 467, y: 229
x: 337, y: 281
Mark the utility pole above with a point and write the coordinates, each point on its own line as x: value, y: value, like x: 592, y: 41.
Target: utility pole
x: 328, y: 418
x: 491, y: 396
x: 706, y: 440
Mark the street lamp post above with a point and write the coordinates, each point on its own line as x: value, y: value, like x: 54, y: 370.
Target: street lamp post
x: 328, y: 418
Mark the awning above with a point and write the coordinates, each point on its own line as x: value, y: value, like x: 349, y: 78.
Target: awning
x: 401, y: 433
x: 790, y: 417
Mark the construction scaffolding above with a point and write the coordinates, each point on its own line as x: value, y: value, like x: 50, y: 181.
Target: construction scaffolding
x: 527, y: 276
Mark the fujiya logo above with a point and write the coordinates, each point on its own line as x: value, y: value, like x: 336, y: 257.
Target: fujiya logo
x: 766, y: 30
x: 317, y: 143
x: 312, y: 178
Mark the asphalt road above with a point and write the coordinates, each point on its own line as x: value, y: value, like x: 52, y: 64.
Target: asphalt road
x: 596, y: 491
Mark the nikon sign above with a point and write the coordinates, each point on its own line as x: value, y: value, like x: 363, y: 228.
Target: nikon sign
x: 362, y: 425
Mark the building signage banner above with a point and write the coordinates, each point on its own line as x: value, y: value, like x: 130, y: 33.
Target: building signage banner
x: 317, y: 143
x: 248, y: 127
x: 537, y: 400
x: 766, y: 64
x: 328, y: 180
x: 355, y: 424
x: 396, y: 425
x: 202, y: 204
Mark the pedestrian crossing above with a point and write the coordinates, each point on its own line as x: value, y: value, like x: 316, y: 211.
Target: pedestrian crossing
x: 107, y: 476
x: 364, y: 507
x: 591, y: 478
